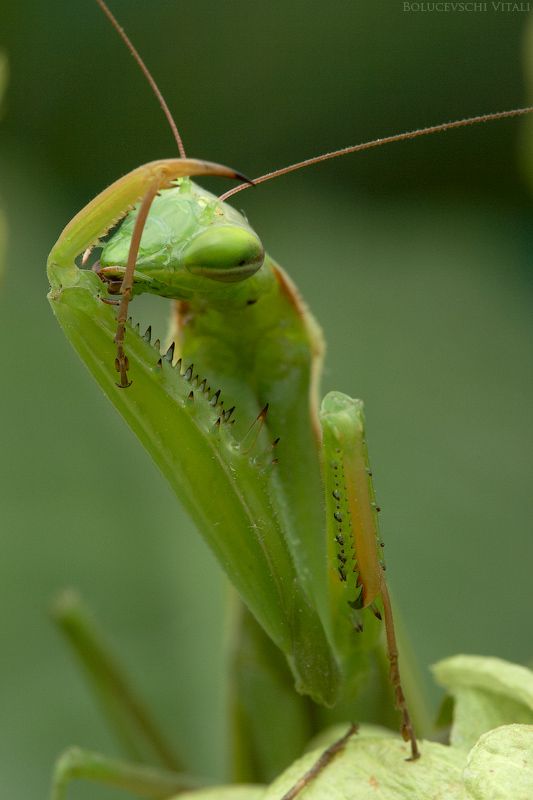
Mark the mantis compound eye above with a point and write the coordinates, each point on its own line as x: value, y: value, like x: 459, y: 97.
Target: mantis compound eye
x: 224, y: 253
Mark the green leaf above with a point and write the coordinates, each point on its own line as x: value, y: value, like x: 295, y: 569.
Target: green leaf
x: 376, y: 769
x: 373, y: 765
x: 333, y: 733
x: 224, y: 793
x: 500, y: 766
x: 487, y: 692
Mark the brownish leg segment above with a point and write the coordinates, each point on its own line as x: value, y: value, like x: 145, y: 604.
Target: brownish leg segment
x: 407, y: 729
x: 121, y: 361
x: 320, y: 764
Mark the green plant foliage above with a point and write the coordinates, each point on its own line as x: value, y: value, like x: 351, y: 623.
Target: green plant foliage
x: 500, y: 765
x: 373, y: 766
x: 487, y: 692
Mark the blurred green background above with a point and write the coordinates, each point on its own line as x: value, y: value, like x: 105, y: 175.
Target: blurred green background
x: 415, y: 258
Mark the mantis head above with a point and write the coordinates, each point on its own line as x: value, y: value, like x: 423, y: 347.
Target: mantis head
x: 189, y: 236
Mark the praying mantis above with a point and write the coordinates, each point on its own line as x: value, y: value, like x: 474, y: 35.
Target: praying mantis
x: 281, y: 490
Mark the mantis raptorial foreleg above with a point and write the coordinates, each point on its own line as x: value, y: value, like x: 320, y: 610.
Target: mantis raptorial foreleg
x: 354, y: 544
x: 126, y: 288
x: 114, y: 202
x: 98, y: 216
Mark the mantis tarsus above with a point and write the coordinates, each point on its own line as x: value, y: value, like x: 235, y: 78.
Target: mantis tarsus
x: 305, y: 573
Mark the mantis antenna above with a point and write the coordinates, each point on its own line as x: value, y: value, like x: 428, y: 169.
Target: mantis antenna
x: 397, y: 137
x: 343, y: 151
x: 147, y: 74
x: 155, y: 176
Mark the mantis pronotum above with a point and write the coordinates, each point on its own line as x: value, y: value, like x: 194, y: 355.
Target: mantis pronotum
x: 286, y: 502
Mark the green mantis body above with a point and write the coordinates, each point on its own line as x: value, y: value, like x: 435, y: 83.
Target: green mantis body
x: 281, y: 490
x: 250, y: 463
x: 255, y: 340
